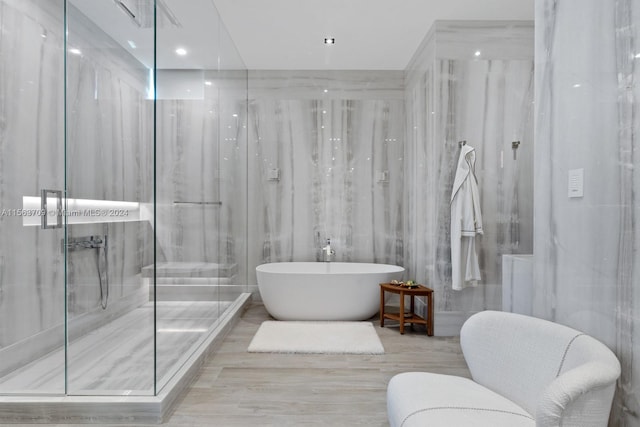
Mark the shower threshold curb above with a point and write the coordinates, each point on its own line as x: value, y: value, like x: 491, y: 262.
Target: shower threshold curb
x: 55, y: 409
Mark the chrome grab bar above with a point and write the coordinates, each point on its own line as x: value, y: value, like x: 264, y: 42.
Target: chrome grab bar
x: 176, y: 202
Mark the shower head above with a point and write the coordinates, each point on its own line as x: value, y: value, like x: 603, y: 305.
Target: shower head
x: 141, y: 14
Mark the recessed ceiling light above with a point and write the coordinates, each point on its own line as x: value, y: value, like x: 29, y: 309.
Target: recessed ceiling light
x: 75, y: 51
x: 181, y: 51
x: 478, y: 53
x: 208, y: 83
x: 637, y: 55
x: 329, y: 40
x: 577, y: 85
x: 326, y: 90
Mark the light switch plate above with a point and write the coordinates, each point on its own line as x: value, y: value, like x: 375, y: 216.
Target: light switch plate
x: 576, y: 183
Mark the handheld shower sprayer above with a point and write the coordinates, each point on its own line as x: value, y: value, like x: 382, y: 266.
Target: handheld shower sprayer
x: 102, y: 260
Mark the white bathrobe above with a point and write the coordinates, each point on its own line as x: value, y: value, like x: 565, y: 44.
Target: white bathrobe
x: 466, y: 222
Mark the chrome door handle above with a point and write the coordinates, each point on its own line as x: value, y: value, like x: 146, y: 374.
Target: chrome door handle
x: 45, y: 212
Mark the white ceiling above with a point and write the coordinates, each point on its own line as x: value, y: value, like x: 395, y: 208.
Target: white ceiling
x: 370, y: 34
x: 196, y: 31
x: 285, y: 34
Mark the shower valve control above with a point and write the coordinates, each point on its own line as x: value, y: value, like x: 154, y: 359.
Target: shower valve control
x: 87, y: 242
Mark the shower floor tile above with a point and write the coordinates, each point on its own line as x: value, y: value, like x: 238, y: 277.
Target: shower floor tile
x: 118, y: 358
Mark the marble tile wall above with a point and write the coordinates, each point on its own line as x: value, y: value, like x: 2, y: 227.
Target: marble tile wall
x: 587, y: 117
x: 32, y: 82
x: 336, y: 140
x: 201, y: 149
x: 233, y: 161
x: 453, y: 94
x: 109, y: 156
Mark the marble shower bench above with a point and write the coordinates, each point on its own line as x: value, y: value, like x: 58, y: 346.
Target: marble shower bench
x: 187, y: 281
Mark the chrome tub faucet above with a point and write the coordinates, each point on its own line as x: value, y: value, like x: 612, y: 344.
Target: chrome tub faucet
x: 328, y: 252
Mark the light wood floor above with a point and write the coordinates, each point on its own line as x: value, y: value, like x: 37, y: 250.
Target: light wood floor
x: 236, y: 388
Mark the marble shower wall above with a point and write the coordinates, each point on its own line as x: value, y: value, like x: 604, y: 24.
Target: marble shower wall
x: 201, y: 157
x: 188, y: 156
x: 31, y: 82
x: 452, y: 94
x: 109, y: 149
x: 326, y: 160
x: 109, y: 156
x: 201, y: 151
x: 586, y: 259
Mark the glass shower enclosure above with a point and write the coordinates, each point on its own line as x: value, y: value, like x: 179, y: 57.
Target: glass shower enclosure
x: 122, y: 191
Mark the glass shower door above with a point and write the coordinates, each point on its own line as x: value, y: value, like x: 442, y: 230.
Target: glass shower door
x: 110, y: 194
x: 188, y: 199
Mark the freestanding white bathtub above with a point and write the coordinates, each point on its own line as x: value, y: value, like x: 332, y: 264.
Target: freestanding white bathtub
x: 323, y: 290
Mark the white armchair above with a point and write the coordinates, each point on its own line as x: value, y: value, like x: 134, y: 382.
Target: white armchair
x: 526, y: 372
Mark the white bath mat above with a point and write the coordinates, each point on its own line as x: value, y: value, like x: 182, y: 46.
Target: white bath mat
x: 316, y: 337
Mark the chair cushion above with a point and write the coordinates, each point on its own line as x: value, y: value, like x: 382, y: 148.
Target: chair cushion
x: 434, y: 400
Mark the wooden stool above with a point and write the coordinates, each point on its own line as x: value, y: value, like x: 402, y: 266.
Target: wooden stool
x: 411, y: 317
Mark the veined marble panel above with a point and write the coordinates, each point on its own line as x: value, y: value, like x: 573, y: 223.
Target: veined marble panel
x: 340, y: 165
x: 201, y: 193
x: 506, y: 40
x: 109, y: 155
x: 325, y: 85
x: 187, y: 153
x: 488, y: 103
x: 200, y: 204
x: 233, y: 154
x: 587, y: 117
x: 31, y: 157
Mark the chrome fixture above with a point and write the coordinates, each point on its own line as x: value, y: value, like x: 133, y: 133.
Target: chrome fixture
x: 102, y: 260
x: 44, y: 209
x: 215, y: 203
x: 514, y: 147
x: 126, y: 10
x: 142, y: 16
x: 328, y: 252
x: 88, y: 242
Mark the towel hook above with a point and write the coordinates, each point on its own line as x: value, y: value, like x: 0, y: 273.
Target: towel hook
x: 514, y: 147
x: 461, y: 143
